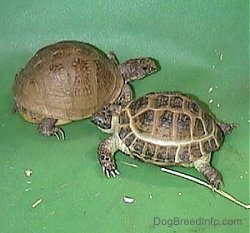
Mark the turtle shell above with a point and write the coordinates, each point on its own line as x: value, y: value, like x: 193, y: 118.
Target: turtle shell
x: 168, y: 128
x: 67, y: 81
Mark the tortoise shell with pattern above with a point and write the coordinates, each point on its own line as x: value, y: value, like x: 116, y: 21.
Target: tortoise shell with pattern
x: 69, y: 81
x: 165, y: 129
x: 168, y: 129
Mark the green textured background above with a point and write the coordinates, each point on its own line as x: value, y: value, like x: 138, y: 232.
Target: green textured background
x: 199, y: 44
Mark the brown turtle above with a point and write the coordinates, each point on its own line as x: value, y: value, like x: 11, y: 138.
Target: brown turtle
x: 165, y: 129
x: 70, y: 80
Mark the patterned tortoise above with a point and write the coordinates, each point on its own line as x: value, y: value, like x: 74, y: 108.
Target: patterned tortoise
x: 71, y: 80
x: 162, y: 128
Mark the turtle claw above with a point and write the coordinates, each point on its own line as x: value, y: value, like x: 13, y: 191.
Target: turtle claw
x: 114, y: 173
x: 117, y: 172
x: 109, y: 172
x: 59, y: 134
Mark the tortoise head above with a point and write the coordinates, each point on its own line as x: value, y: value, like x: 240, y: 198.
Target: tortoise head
x: 138, y: 68
x: 106, y: 119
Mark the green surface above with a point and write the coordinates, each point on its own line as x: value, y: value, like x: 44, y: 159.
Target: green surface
x: 201, y: 46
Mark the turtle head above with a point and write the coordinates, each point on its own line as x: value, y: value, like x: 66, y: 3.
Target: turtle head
x: 138, y: 68
x: 106, y: 119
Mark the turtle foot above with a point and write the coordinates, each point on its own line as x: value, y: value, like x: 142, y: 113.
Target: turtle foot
x: 106, y: 159
x: 47, y: 128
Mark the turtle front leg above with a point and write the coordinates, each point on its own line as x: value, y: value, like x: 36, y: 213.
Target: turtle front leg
x: 106, y: 152
x: 212, y: 175
x: 47, y: 128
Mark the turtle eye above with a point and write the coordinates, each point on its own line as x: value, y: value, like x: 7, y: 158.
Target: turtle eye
x: 149, y: 66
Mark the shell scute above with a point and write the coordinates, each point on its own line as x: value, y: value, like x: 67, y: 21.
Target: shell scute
x: 209, y: 145
x: 193, y: 107
x: 183, y: 154
x: 160, y: 101
x: 198, y: 130
x: 163, y: 156
x: 166, y: 119
x: 138, y: 146
x: 218, y: 135
x: 137, y: 105
x: 176, y: 102
x: 149, y: 151
x: 124, y: 132
x: 208, y: 122
x: 144, y: 122
x: 183, y: 126
x: 130, y: 139
x: 171, y: 154
x: 195, y: 150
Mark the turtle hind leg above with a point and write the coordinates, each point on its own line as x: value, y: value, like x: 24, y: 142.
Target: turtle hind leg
x: 47, y: 128
x: 212, y: 175
x: 106, y: 158
x: 138, y: 68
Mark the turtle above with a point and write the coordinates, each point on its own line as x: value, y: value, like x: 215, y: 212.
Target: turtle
x: 70, y: 80
x: 163, y: 128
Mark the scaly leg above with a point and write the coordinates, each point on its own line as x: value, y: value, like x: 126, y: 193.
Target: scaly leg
x: 106, y: 152
x: 47, y: 128
x: 213, y: 176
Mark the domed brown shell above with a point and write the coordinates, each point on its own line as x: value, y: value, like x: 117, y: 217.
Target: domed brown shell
x: 67, y: 81
x: 168, y: 128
